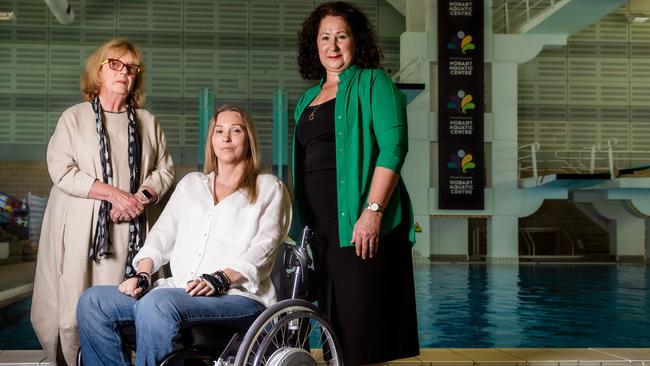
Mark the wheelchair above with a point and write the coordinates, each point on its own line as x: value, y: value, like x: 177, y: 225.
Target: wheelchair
x: 292, y: 332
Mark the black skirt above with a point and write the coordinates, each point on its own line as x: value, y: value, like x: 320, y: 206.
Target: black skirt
x: 371, y: 303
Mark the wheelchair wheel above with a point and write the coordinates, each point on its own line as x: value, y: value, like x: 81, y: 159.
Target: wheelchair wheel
x: 289, y: 333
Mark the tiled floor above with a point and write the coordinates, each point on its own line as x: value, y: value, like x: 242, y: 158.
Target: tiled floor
x: 464, y: 357
x: 529, y: 356
x: 22, y: 358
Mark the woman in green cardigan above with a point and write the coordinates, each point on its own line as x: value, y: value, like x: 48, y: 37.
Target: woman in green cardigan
x: 349, y: 146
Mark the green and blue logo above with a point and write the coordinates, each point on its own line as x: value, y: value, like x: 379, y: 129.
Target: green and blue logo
x: 461, y: 161
x: 461, y: 42
x: 461, y: 102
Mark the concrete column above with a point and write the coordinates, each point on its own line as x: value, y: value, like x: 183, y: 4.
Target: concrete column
x: 449, y: 239
x: 415, y: 15
x: 627, y: 232
x: 502, y: 239
x: 508, y: 51
x: 417, y: 166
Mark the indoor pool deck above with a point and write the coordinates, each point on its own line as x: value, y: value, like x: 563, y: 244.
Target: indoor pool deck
x: 464, y: 357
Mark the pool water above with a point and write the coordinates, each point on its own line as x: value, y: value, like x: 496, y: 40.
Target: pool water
x: 16, y: 330
x: 485, y: 306
x: 540, y: 305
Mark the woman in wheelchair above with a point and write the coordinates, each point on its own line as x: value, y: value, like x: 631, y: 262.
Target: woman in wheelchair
x: 219, y: 232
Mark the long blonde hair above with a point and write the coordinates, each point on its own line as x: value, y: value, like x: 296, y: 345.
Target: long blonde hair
x: 114, y: 48
x: 248, y: 181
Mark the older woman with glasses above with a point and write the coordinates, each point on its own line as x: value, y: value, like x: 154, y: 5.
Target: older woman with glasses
x: 109, y: 163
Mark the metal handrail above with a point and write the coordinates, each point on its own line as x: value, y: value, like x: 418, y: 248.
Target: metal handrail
x: 514, y: 13
x: 564, y: 236
x: 569, y: 240
x: 596, y: 158
x: 593, y: 158
x: 534, y: 148
x: 398, y: 73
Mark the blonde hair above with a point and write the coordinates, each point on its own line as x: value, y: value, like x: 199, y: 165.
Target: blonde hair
x: 248, y: 181
x: 114, y: 48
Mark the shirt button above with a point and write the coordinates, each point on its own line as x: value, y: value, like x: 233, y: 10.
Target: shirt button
x: 342, y: 213
x: 340, y: 150
x: 340, y: 133
x: 200, y: 254
x: 209, y: 215
x: 205, y: 234
x: 340, y: 117
x: 342, y: 182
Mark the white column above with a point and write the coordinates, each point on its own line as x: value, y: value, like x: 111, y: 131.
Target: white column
x: 626, y: 231
x: 449, y: 238
x: 415, y: 15
x: 502, y: 243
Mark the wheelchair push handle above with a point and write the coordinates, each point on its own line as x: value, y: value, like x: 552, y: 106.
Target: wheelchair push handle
x: 305, y: 236
x: 300, y: 276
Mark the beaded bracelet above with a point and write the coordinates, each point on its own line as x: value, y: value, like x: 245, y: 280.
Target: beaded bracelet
x: 218, y: 281
x: 224, y: 277
x: 144, y: 281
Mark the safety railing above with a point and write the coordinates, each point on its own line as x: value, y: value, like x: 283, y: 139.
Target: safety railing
x: 530, y: 246
x: 595, y: 159
x: 563, y: 243
x: 528, y: 159
x: 407, y: 71
x: 580, y: 161
x: 630, y: 160
x: 508, y: 15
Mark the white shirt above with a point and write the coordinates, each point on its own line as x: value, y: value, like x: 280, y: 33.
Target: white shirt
x: 196, y: 236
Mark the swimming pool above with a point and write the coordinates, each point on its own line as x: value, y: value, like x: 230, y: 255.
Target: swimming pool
x: 16, y: 330
x: 484, y: 306
x: 533, y: 305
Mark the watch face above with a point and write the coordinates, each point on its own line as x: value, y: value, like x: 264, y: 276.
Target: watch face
x: 374, y: 206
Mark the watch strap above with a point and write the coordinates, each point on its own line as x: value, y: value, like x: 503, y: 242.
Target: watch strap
x: 375, y: 207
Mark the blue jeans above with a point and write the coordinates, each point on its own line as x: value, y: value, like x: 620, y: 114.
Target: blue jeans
x: 157, y: 316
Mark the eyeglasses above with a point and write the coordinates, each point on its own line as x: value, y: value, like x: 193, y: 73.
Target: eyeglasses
x: 117, y: 65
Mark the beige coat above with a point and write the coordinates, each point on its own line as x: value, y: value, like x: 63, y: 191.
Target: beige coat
x: 63, y: 268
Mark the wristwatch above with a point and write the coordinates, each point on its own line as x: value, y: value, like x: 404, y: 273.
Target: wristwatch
x: 374, y: 207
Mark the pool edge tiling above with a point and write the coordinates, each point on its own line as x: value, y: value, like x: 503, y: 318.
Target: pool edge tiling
x: 528, y: 356
x: 462, y: 357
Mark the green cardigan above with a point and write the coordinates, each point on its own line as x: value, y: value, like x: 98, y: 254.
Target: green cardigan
x: 370, y: 131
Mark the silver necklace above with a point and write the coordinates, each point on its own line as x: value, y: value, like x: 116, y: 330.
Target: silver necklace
x: 313, y: 112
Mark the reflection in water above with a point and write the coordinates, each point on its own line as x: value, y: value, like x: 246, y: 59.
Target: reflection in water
x: 477, y: 306
x: 505, y: 322
x: 16, y: 330
x: 539, y: 305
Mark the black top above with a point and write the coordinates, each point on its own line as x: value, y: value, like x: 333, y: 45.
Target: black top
x: 316, y: 137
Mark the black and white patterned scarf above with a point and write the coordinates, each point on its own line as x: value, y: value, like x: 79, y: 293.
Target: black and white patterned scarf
x: 101, y: 247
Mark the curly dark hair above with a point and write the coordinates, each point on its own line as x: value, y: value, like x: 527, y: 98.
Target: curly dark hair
x: 367, y: 53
